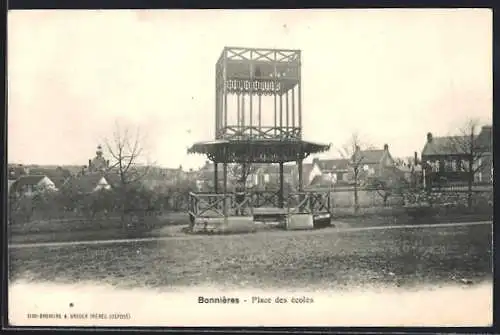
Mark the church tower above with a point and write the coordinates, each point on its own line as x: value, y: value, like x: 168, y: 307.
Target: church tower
x: 99, y: 163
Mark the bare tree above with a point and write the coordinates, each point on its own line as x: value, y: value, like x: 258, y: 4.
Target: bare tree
x: 241, y: 171
x: 388, y: 184
x: 473, y: 149
x: 126, y: 150
x: 352, y: 151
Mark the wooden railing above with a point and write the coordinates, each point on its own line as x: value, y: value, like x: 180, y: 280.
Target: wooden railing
x: 231, y: 132
x: 209, y: 204
x: 311, y: 202
x: 265, y: 199
x: 212, y: 204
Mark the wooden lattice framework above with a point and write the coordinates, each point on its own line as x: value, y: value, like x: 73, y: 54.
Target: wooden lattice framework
x: 249, y: 74
x: 212, y: 204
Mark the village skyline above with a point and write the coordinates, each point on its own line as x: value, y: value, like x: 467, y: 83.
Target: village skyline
x: 389, y: 82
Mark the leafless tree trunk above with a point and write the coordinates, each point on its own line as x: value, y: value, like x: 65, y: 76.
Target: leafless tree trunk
x: 241, y: 171
x: 467, y: 144
x: 352, y: 151
x: 126, y: 150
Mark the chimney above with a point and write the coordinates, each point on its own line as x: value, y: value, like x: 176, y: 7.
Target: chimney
x: 429, y: 137
x: 90, y: 163
x: 386, y: 147
x: 415, y: 156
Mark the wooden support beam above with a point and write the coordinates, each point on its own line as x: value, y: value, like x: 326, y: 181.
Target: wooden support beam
x: 224, y: 78
x: 300, y: 169
x: 275, y: 75
x: 224, y: 172
x: 216, y: 103
x: 243, y: 110
x: 251, y: 94
x: 287, y: 112
x: 238, y: 108
x: 281, y: 191
x: 293, y: 107
x: 260, y: 112
x: 216, y: 178
x: 281, y: 112
x: 299, y: 93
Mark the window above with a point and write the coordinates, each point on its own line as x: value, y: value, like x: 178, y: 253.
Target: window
x: 441, y: 166
x: 333, y: 178
x: 434, y: 166
x: 465, y: 165
x: 453, y: 165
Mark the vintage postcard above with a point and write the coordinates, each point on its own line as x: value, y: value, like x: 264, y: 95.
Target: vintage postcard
x: 250, y: 167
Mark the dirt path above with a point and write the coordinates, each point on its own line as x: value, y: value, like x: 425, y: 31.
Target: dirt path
x: 182, y: 237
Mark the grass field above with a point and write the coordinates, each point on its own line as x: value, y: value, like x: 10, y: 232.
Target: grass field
x: 320, y: 259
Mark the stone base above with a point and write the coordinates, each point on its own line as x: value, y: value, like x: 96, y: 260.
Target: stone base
x: 299, y: 222
x: 221, y: 225
x: 323, y: 220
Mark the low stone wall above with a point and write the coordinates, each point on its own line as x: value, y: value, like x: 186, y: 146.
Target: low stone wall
x: 460, y: 198
x: 345, y: 198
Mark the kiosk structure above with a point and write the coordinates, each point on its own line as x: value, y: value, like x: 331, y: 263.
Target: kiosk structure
x: 258, y: 119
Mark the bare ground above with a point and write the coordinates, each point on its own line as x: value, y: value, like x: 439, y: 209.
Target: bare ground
x: 319, y: 259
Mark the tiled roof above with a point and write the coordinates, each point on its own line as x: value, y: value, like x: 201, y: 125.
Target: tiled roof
x: 274, y: 168
x: 113, y: 179
x: 207, y: 171
x: 371, y: 156
x: 26, y: 181
x: 306, y: 170
x: 321, y: 181
x: 16, y: 171
x: 485, y: 138
x: 457, y: 145
x: 58, y: 176
x: 333, y: 164
x: 446, y: 145
x: 85, y: 184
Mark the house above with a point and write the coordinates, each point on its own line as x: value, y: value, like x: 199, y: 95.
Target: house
x: 16, y: 170
x: 159, y: 177
x: 266, y: 175
x: 333, y: 171
x: 86, y: 184
x: 446, y: 158
x: 28, y: 185
x: 411, y: 172
x: 260, y: 175
x: 58, y: 175
x: 373, y: 162
x: 204, y: 177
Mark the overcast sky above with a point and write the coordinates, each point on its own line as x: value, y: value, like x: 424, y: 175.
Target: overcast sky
x: 391, y: 75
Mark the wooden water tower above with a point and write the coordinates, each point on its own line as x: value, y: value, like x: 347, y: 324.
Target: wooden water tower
x: 258, y: 113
